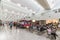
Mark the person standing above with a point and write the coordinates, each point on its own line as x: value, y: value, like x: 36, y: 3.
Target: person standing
x: 11, y: 24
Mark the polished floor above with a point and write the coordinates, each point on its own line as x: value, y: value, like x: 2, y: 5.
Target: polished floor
x: 19, y: 34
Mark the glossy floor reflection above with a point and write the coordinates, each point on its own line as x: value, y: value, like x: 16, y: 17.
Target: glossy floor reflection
x: 18, y: 34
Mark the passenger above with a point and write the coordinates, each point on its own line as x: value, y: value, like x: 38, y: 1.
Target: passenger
x: 11, y: 24
x: 34, y: 27
x: 58, y: 25
x: 49, y: 32
x: 31, y: 28
x: 17, y: 25
x: 53, y: 33
x: 43, y: 28
x: 38, y: 27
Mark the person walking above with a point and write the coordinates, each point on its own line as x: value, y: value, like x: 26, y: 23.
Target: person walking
x: 53, y: 34
x: 49, y: 32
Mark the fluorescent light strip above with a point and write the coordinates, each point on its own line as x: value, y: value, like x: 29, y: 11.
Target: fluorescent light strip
x: 51, y: 3
x: 38, y: 4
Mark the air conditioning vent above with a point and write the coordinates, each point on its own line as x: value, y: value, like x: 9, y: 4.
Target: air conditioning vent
x: 49, y: 16
x: 58, y: 10
x: 28, y: 17
x: 42, y: 14
x: 55, y: 11
x: 33, y: 14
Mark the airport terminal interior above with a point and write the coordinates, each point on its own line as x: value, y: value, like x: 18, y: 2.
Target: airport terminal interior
x: 29, y: 19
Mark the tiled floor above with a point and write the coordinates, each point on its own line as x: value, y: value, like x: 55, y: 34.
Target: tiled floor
x: 19, y: 34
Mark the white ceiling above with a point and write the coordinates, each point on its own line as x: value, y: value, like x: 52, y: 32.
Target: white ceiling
x: 13, y: 10
x: 30, y: 4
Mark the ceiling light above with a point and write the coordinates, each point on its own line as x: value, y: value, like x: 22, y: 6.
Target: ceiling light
x: 33, y: 20
x: 9, y: 0
x: 5, y: 10
x: 18, y: 13
x: 12, y: 11
x: 30, y: 10
x: 19, y: 4
x: 34, y: 12
x: 26, y: 8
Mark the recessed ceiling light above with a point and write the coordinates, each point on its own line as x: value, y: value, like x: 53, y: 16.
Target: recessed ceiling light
x: 12, y: 11
x: 18, y: 13
x: 19, y: 4
x: 9, y: 0
x: 34, y: 12
x: 26, y: 8
x: 30, y: 10
x: 6, y: 10
x: 33, y: 20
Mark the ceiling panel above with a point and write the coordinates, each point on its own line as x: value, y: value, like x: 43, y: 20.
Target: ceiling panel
x: 30, y: 4
x: 44, y: 3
